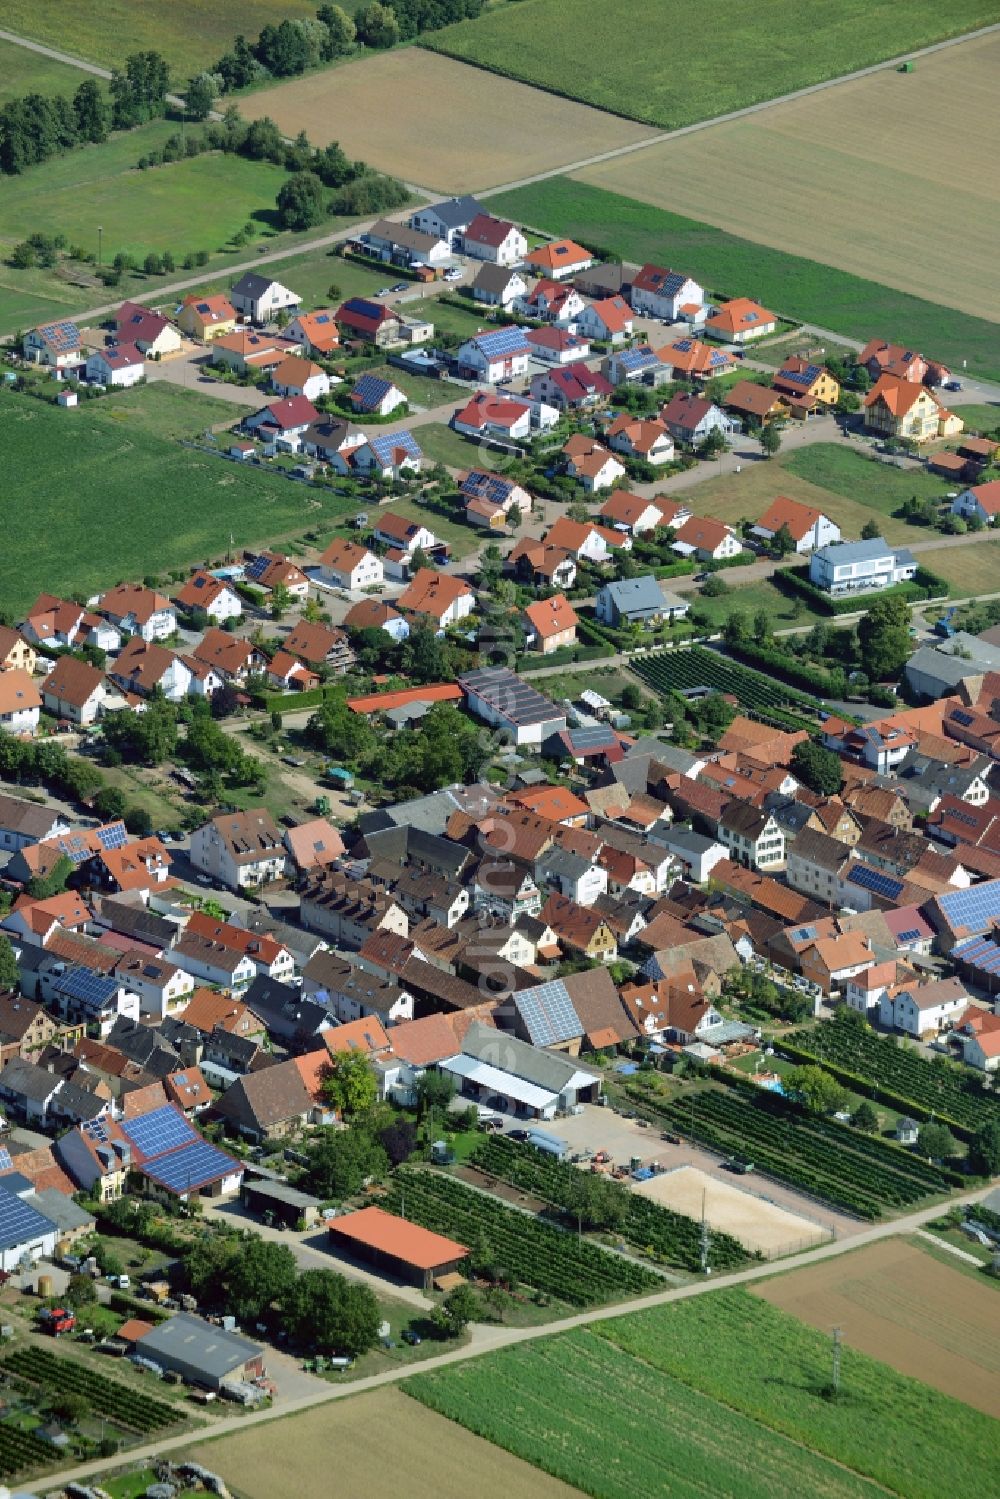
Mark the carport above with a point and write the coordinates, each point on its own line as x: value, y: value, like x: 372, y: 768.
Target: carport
x: 478, y: 1078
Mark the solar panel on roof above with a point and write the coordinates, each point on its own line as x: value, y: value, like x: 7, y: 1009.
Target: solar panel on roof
x: 501, y: 341
x: 162, y: 1130
x: 5, y: 1159
x: 960, y: 716
x: 91, y: 990
x: 20, y: 1223
x: 113, y: 835
x: 684, y: 345
x: 384, y: 444
x: 191, y: 1167
x: 548, y: 1013
x: 875, y: 880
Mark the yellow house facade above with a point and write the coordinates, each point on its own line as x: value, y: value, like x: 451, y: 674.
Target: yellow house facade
x: 16, y: 654
x: 903, y: 409
x: 205, y: 318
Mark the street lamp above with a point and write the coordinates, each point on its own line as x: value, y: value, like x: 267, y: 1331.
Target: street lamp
x: 100, y: 233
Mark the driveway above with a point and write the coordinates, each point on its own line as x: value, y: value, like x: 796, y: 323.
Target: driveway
x: 186, y: 370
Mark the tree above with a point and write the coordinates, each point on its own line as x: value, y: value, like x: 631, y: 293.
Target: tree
x: 341, y: 31
x: 762, y: 627
x: 301, y: 201
x: 884, y: 638
x: 343, y: 1160
x: 632, y: 698
x: 715, y: 586
x: 259, y: 1275
x: 70, y: 1407
x: 347, y: 736
x: 871, y: 530
x: 81, y: 1291
x: 91, y: 112
x: 376, y: 25
x: 329, y: 1313
x: 865, y: 1118
x: 984, y: 1150
x: 399, y: 1140
x: 770, y: 439
x: 281, y: 600
x: 44, y: 886
x: 460, y: 1307
x: 936, y: 1141
x: 225, y: 700
x: 820, y: 1092
x: 350, y: 1085
x: 434, y: 1090
x: 782, y: 542
x: 110, y: 803
x: 817, y: 767
x: 199, y: 99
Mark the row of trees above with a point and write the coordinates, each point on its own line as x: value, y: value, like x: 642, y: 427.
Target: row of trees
x: 35, y: 127
x: 43, y: 762
x: 446, y: 748
x: 150, y: 738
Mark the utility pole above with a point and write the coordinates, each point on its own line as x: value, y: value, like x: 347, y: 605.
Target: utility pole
x: 836, y: 1361
x: 706, y: 1240
x: 100, y: 236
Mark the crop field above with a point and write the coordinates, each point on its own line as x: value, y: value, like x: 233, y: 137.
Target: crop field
x: 852, y: 474
x: 556, y: 44
x: 131, y: 1408
x: 191, y: 34
x: 865, y: 1175
x: 102, y: 493
x: 795, y: 178
x: 25, y: 72
x: 439, y: 123
x: 616, y: 1427
x: 763, y: 1227
x: 899, y: 1076
x: 531, y: 1252
x: 647, y: 1221
x: 675, y: 671
x: 971, y: 569
x: 773, y: 1368
x: 731, y: 265
x: 299, y: 1454
x: 897, y: 1302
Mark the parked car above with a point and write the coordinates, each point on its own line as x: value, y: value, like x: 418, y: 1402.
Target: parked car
x: 401, y: 286
x: 517, y: 1134
x: 953, y: 385
x: 409, y: 1336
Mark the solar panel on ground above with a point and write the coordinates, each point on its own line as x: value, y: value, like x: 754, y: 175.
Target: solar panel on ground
x: 191, y: 1167
x: 162, y: 1130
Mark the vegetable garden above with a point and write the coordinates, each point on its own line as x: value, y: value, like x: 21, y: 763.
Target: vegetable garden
x: 645, y: 1224
x: 108, y: 1397
x: 20, y: 1450
x: 676, y: 671
x: 534, y: 1253
x: 860, y: 1173
x: 897, y: 1076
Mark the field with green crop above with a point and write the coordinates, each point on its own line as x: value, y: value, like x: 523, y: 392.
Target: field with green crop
x: 727, y: 265
x: 771, y: 701
x: 191, y: 34
x: 659, y: 59
x: 849, y: 471
x: 103, y: 493
x: 26, y: 72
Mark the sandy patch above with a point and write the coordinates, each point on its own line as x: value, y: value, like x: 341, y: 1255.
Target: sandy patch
x: 756, y: 1223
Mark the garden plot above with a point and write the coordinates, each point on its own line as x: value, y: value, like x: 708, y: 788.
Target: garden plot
x: 760, y: 1225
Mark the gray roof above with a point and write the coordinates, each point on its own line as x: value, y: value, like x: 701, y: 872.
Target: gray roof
x: 132, y: 920
x: 946, y: 670
x: 199, y: 1344
x: 430, y: 814
x: 280, y: 1191
x: 61, y: 1210
x: 252, y: 285
x: 457, y: 212
x: 543, y: 1068
x: 27, y: 819
x: 26, y: 1080
x: 841, y: 552
x: 288, y: 1014
x: 632, y: 595
x: 494, y: 278
x: 560, y: 862
x: 688, y: 843
x: 411, y: 843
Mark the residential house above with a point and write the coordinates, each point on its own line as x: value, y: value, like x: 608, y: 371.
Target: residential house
x: 372, y: 322
x: 205, y: 318
x: 901, y: 408
x: 447, y: 220
x: 334, y: 441
x: 405, y: 245
x: 631, y: 601
x: 755, y: 403
x: 740, y: 322
x: 268, y: 1104
x: 296, y: 376
x: 591, y: 463
x: 249, y: 353
x: 552, y: 622
x: 162, y: 987
x: 496, y: 356
x: 860, y: 566
x: 660, y: 293
x: 320, y: 645
x: 637, y: 365
x: 441, y: 598
x: 347, y: 564
x: 24, y: 824
x: 403, y: 534
x: 499, y: 286
x: 240, y: 849
x: 639, y: 438
x: 924, y: 1010
x: 552, y: 345
x: 374, y: 395
x: 53, y: 621
x: 808, y: 527
x: 495, y: 240
x: 73, y: 690
x: 314, y: 332
x: 284, y: 422
x: 390, y: 455
x: 20, y: 703
x: 881, y: 358
x: 487, y: 415
x: 16, y: 654
x: 120, y: 366
x: 232, y: 656
x: 585, y: 540
x: 494, y: 492
x: 542, y: 564
x: 552, y: 302
x: 558, y: 259
x: 830, y: 961
x: 980, y: 500
x: 346, y: 911
x: 690, y: 418
x: 636, y: 515
x: 609, y: 320
x: 216, y: 596
x: 273, y: 570
x: 753, y: 837
x: 269, y: 957
x: 150, y: 332
x: 55, y: 345
x: 135, y: 610
x: 260, y: 298
x: 313, y: 845
x: 574, y: 387
x: 690, y: 359
x: 707, y: 540
x: 144, y: 667
x: 820, y: 866
x: 579, y: 929
x: 806, y: 385
x: 375, y: 614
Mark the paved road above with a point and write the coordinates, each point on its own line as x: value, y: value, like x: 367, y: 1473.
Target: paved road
x: 72, y: 62
x: 960, y: 1254
x: 487, y: 1339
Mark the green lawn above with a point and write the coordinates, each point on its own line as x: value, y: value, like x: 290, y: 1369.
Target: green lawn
x: 978, y: 418
x: 461, y: 538
x: 26, y: 72
x: 783, y: 612
x: 443, y: 445
x: 102, y: 493
x: 446, y: 317
x: 971, y: 570
x: 660, y: 60
x: 849, y: 472
x: 422, y: 391
x: 727, y: 265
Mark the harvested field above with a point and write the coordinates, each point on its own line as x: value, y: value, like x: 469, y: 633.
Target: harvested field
x: 439, y: 123
x: 805, y: 177
x: 369, y: 1441
x: 972, y: 568
x: 907, y: 1308
x: 756, y: 1223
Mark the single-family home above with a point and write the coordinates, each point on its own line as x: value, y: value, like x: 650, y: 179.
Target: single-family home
x: 20, y: 703
x: 558, y: 259
x: 554, y: 345
x: 74, y: 690
x: 496, y: 356
x: 493, y: 490
x: 247, y: 352
x: 753, y: 836
x: 808, y: 527
x: 637, y: 516
x: 924, y: 1010
x: 609, y: 320
x: 982, y: 500
x: 347, y: 564
x: 320, y: 645
x: 881, y: 358
x: 640, y: 438
x: 755, y: 404
x: 492, y: 415
x: 55, y: 345
x: 552, y: 622
x: 552, y: 302
x: 660, y: 293
x: 902, y: 408
x: 498, y: 286
x: 707, y: 540
x: 16, y: 653
x: 637, y: 365
x: 691, y: 359
x: 591, y: 463
x: 287, y: 673
x: 402, y: 533
x: 118, y: 365
x: 273, y: 569
x: 374, y: 395
x: 233, y: 657
x: 375, y: 614
x: 333, y: 440
x: 388, y: 455
x: 740, y: 321
x: 283, y: 422
x: 205, y: 318
x: 690, y: 418
x: 830, y: 961
x: 806, y: 384
x: 495, y: 240
x: 150, y: 332
x: 447, y: 220
x: 216, y: 596
x: 239, y: 849
x: 571, y: 388
x: 135, y: 610
x: 143, y: 667
x: 579, y: 929
x: 296, y: 376
x: 370, y: 321
x: 585, y: 540
x: 441, y: 598
x: 860, y: 566
x: 547, y: 566
x: 259, y: 298
x: 315, y: 332
x: 633, y: 601
x: 405, y: 245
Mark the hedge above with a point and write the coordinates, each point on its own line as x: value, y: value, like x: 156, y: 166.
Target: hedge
x: 775, y: 663
x: 925, y: 585
x: 281, y: 702
x: 565, y: 656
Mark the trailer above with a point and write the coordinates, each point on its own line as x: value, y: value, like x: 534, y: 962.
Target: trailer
x: 549, y: 1144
